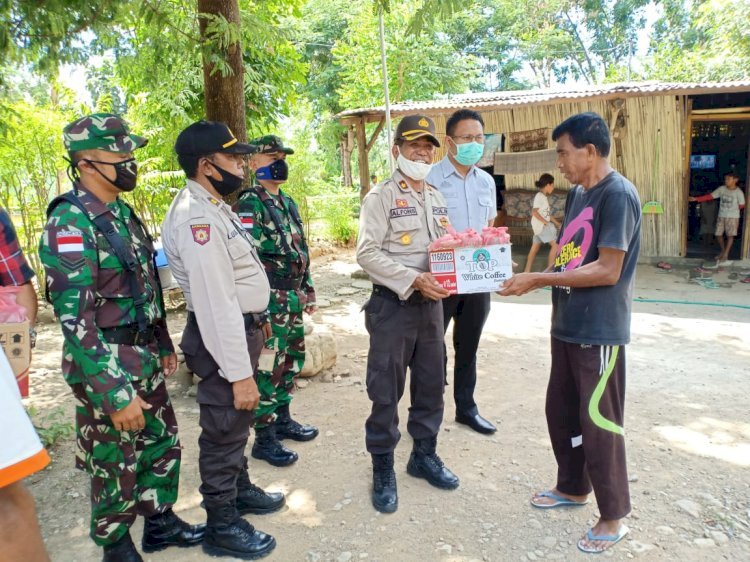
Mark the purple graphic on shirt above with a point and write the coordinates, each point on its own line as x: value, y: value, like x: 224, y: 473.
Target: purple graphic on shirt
x: 570, y: 255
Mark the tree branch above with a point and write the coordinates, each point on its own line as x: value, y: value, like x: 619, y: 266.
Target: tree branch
x: 155, y: 10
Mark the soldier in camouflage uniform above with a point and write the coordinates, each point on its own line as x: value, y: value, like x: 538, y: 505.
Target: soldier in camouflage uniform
x: 273, y: 220
x: 105, y: 290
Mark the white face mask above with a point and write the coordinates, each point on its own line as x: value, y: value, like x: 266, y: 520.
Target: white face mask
x: 414, y: 170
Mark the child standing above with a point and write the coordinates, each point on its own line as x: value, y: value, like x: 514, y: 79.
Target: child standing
x: 732, y: 201
x: 543, y: 223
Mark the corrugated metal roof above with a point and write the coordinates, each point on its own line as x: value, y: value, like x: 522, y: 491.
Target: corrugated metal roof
x: 498, y: 100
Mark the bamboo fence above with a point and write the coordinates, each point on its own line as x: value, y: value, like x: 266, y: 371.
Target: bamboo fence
x: 652, y: 153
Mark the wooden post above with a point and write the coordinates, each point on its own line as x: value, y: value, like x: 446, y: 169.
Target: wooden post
x: 688, y: 144
x: 346, y: 160
x: 364, y: 165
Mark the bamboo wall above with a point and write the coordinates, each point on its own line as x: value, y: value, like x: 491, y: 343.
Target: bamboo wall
x: 656, y: 174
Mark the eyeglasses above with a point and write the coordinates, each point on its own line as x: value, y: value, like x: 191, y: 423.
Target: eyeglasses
x: 469, y: 138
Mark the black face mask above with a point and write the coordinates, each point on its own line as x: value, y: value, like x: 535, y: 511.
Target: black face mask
x: 278, y: 170
x: 229, y: 183
x: 127, y: 173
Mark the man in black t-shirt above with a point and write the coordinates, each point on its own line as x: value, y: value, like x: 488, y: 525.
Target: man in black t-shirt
x: 592, y: 291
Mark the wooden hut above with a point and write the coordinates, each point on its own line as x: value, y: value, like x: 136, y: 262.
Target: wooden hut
x: 656, y: 128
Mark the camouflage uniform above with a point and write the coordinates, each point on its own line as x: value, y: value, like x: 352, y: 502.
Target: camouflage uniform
x: 287, y: 264
x: 131, y: 472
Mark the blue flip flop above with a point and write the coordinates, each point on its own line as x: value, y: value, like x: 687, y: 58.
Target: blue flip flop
x: 559, y: 501
x: 613, y: 539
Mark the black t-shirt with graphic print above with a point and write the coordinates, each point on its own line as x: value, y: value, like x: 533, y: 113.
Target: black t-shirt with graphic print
x: 607, y: 215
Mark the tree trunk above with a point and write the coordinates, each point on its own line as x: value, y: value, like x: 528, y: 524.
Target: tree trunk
x: 224, y: 95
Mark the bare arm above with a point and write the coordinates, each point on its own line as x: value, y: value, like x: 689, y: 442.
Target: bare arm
x: 27, y: 298
x: 605, y: 270
x: 538, y: 216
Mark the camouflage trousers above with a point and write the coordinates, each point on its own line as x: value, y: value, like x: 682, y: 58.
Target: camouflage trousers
x: 276, y: 378
x: 132, y: 472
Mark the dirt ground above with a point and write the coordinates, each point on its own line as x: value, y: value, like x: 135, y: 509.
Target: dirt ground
x: 688, y: 439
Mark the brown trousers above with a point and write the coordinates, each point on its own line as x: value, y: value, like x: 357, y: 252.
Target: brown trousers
x: 585, y: 410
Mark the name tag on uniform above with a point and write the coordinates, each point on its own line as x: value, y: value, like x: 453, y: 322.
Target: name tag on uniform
x: 403, y: 212
x: 440, y: 210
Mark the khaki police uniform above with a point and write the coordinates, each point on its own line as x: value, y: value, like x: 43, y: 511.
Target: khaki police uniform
x: 226, y: 289
x: 406, y: 329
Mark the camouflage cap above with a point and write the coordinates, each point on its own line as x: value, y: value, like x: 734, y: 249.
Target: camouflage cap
x: 268, y: 144
x: 101, y: 131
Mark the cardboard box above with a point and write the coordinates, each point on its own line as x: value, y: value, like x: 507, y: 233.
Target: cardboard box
x: 14, y: 339
x: 472, y: 270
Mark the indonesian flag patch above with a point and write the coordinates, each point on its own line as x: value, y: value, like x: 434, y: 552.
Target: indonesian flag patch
x: 247, y: 221
x: 69, y: 241
x: 201, y: 233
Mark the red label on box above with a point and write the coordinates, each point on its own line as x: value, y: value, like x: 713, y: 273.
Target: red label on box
x: 472, y: 270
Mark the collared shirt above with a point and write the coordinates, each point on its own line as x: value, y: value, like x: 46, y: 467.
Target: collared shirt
x: 215, y: 263
x: 471, y: 200
x: 396, y: 225
x: 283, y: 258
x: 89, y: 290
x: 14, y: 270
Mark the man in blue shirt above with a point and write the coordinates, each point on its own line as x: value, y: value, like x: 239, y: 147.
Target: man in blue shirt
x: 470, y: 196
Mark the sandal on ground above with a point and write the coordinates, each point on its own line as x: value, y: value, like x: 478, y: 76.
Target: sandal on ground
x: 664, y: 265
x: 558, y: 501
x: 611, y: 539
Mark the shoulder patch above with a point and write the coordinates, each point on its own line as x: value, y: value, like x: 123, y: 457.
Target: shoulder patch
x: 68, y: 241
x: 247, y: 220
x: 201, y: 233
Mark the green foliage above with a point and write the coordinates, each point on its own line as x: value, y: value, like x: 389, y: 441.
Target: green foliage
x: 420, y: 67
x: 339, y: 212
x: 702, y: 40
x: 46, y: 33
x: 555, y: 39
x: 31, y: 170
x: 51, y: 426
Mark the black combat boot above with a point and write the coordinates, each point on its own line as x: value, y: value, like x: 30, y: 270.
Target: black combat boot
x: 287, y: 428
x: 166, y: 529
x: 252, y: 499
x: 227, y: 534
x: 267, y: 447
x: 384, y: 494
x: 122, y: 551
x: 424, y: 463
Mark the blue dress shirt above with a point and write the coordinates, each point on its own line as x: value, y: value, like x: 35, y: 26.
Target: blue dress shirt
x: 471, y: 199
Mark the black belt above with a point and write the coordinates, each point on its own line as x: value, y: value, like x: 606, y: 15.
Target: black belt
x: 129, y: 335
x: 416, y: 298
x: 252, y: 319
x: 285, y: 283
